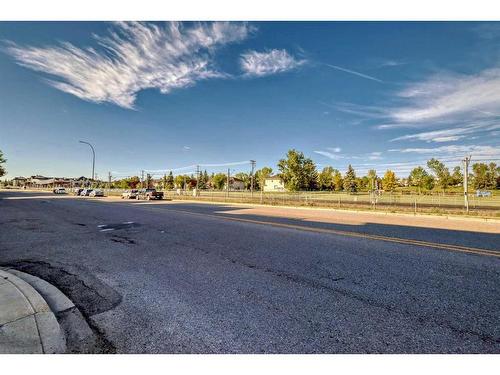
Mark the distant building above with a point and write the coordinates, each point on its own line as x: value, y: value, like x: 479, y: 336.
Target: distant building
x: 19, y: 181
x: 274, y: 183
x: 235, y: 184
x: 49, y: 182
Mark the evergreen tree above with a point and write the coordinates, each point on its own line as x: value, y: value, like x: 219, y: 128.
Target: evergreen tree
x: 169, y: 184
x: 3, y: 172
x: 350, y: 184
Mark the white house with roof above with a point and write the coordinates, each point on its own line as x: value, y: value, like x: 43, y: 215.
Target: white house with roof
x: 274, y: 184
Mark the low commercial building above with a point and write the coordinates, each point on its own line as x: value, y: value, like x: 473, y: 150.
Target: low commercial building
x: 50, y: 182
x: 19, y: 181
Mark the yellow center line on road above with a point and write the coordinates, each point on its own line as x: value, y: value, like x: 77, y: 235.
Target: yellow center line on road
x: 435, y: 245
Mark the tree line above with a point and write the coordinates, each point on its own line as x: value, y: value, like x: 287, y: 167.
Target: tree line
x: 300, y: 173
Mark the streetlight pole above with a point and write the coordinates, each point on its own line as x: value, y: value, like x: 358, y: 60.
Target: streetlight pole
x: 251, y: 176
x: 93, y: 157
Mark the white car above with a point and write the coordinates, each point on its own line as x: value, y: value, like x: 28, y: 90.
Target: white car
x: 130, y: 194
x: 59, y: 190
x: 96, y: 193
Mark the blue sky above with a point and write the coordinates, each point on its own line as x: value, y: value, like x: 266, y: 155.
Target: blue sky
x: 159, y: 96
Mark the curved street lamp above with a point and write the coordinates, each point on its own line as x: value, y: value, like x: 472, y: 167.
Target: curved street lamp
x: 93, y: 157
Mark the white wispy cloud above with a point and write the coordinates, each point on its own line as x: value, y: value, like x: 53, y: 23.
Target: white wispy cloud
x: 450, y: 97
x: 451, y: 134
x: 375, y: 156
x: 259, y: 64
x: 333, y: 153
x: 477, y: 151
x: 365, y: 111
x: 134, y: 56
x: 390, y: 63
x: 345, y: 70
x: 329, y: 154
x: 335, y: 149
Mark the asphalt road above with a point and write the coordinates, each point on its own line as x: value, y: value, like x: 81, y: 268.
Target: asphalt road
x: 188, y: 278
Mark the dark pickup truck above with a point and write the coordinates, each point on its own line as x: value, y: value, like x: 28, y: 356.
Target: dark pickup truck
x: 149, y: 194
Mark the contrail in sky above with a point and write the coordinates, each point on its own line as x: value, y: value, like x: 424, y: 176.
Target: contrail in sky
x: 354, y: 72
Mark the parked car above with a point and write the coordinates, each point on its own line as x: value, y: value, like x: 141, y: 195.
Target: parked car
x: 149, y: 194
x: 130, y: 194
x: 86, y: 192
x: 96, y: 193
x: 59, y: 190
x: 77, y: 191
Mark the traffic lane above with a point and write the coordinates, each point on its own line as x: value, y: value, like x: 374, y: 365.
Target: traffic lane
x: 464, y: 237
x: 202, y: 285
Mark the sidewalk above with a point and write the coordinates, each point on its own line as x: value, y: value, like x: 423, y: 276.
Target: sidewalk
x: 27, y: 324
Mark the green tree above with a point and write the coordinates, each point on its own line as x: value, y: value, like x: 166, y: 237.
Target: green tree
x: 180, y: 181
x: 363, y: 183
x: 441, y: 172
x: 418, y: 177
x: 203, y: 180
x: 492, y: 175
x: 3, y: 172
x: 350, y: 184
x: 480, y: 180
x: 169, y: 182
x: 219, y: 180
x: 129, y: 183
x: 261, y: 175
x: 298, y: 172
x: 429, y: 182
x: 389, y: 182
x: 149, y: 181
x: 338, y: 182
x: 372, y: 176
x: 457, y: 177
x: 326, y: 178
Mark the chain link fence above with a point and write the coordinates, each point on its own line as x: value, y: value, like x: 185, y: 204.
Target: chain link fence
x: 436, y: 202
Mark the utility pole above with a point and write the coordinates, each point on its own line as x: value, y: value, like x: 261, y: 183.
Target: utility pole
x: 227, y: 184
x: 109, y: 180
x: 142, y: 179
x: 197, y: 178
x: 251, y: 176
x: 466, y: 162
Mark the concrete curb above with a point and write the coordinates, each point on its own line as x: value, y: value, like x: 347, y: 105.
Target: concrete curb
x: 79, y: 337
x: 27, y: 324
